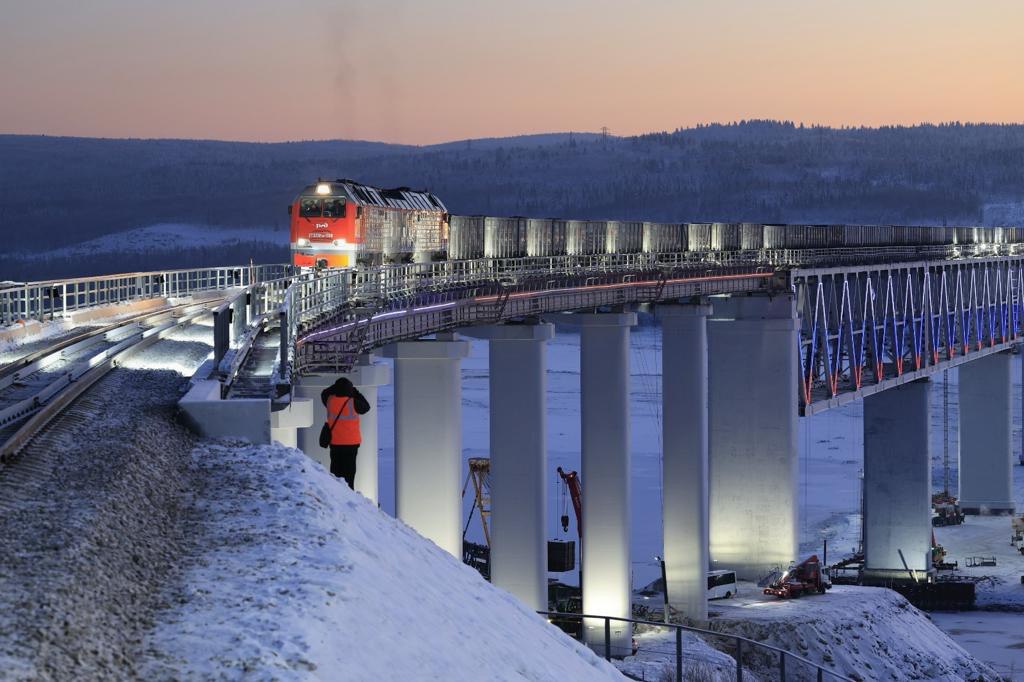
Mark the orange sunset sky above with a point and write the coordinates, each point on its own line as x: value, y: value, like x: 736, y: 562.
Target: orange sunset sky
x: 436, y: 70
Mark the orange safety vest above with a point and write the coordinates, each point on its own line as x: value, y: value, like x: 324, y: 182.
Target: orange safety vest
x: 346, y: 428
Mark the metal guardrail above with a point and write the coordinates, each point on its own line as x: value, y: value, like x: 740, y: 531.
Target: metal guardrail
x: 58, y: 297
x: 738, y: 641
x: 329, y: 317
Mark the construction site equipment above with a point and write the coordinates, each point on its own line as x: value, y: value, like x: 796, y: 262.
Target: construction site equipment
x: 946, y: 510
x: 803, y: 578
x: 847, y: 571
x: 562, y: 553
x: 939, y: 557
x: 571, y: 483
x: 978, y: 561
x: 474, y: 554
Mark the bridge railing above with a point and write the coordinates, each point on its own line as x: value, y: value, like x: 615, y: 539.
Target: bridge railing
x: 58, y: 297
x: 787, y: 664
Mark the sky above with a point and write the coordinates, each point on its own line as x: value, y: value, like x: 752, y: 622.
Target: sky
x: 427, y: 71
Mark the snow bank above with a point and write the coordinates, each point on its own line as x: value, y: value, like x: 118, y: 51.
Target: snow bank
x: 866, y: 633
x: 165, y: 237
x: 655, y: 659
x: 294, y: 576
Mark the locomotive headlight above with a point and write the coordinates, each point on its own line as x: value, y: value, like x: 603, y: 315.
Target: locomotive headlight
x: 302, y: 241
x: 323, y: 188
x: 339, y: 242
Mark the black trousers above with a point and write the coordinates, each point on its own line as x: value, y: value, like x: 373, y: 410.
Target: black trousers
x: 343, y: 463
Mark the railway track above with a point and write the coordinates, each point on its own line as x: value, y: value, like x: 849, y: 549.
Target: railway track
x: 40, y: 385
x: 253, y: 374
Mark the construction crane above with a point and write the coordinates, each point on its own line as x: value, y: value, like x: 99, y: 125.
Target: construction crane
x: 474, y: 554
x: 571, y: 481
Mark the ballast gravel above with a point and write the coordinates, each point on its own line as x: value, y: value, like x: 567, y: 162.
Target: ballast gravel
x: 91, y: 523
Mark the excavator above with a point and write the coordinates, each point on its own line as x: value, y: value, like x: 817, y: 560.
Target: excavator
x: 803, y: 578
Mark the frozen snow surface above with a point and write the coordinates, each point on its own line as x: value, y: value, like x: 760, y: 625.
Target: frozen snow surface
x: 167, y: 237
x: 294, y: 576
x: 865, y: 633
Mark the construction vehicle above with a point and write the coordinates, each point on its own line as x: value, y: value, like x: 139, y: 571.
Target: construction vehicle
x: 1017, y: 532
x: 946, y: 510
x: 803, y: 578
x: 939, y: 562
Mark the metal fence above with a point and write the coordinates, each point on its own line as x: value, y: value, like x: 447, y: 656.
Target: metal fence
x: 58, y: 297
x: 784, y: 662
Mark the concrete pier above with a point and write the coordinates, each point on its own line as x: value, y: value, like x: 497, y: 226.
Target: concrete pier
x: 684, y: 382
x: 985, y: 455
x: 897, y: 483
x: 605, y: 473
x: 752, y: 433
x: 428, y: 437
x: 518, y: 424
x: 367, y: 377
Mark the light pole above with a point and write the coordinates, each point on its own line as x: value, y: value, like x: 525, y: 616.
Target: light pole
x: 664, y: 583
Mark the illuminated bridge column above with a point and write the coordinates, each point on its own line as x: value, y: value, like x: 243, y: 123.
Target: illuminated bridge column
x: 518, y: 458
x: 367, y: 377
x: 428, y: 437
x: 684, y: 389
x: 605, y: 473
x: 986, y: 459
x: 752, y: 433
x: 897, y: 482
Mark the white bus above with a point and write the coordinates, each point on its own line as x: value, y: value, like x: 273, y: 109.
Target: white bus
x: 721, y: 584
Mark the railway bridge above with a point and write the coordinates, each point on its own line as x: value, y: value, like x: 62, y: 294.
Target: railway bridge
x: 752, y: 341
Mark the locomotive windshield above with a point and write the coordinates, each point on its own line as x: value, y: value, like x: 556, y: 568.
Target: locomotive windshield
x: 315, y: 207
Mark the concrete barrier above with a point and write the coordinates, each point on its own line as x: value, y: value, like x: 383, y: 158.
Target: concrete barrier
x: 248, y: 419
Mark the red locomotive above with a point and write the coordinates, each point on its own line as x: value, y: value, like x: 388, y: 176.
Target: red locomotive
x: 339, y: 223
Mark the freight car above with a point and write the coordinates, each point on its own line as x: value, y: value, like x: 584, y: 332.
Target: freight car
x: 341, y: 222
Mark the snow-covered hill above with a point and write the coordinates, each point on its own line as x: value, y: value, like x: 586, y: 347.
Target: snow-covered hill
x: 165, y: 237
x: 293, y: 576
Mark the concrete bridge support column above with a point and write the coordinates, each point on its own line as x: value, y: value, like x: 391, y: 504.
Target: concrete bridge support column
x: 605, y: 474
x: 897, y: 483
x: 428, y: 437
x: 986, y: 458
x: 367, y: 377
x: 684, y: 388
x: 518, y: 458
x: 752, y: 433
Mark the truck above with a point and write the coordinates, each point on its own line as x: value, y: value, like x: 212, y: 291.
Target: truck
x: 803, y: 578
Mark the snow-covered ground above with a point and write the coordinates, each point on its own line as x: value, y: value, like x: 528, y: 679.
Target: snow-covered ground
x: 293, y: 576
x: 166, y: 237
x: 831, y: 458
x: 867, y: 633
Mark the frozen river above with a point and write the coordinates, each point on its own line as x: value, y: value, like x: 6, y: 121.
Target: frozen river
x: 831, y: 457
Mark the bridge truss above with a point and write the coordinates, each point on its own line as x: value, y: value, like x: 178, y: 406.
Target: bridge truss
x: 866, y: 328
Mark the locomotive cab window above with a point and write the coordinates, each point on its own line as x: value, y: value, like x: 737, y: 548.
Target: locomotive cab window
x: 334, y: 208
x: 309, y: 207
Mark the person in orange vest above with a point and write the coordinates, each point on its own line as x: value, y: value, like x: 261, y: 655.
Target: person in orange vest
x: 344, y: 405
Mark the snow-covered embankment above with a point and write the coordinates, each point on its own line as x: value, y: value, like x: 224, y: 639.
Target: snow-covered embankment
x: 293, y: 575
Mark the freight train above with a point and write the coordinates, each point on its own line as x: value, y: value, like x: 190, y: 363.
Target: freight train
x: 342, y: 222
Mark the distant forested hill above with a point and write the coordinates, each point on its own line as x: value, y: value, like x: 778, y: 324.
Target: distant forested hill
x: 57, y: 191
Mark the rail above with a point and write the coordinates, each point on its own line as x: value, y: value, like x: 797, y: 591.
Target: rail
x: 45, y: 406
x: 738, y: 642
